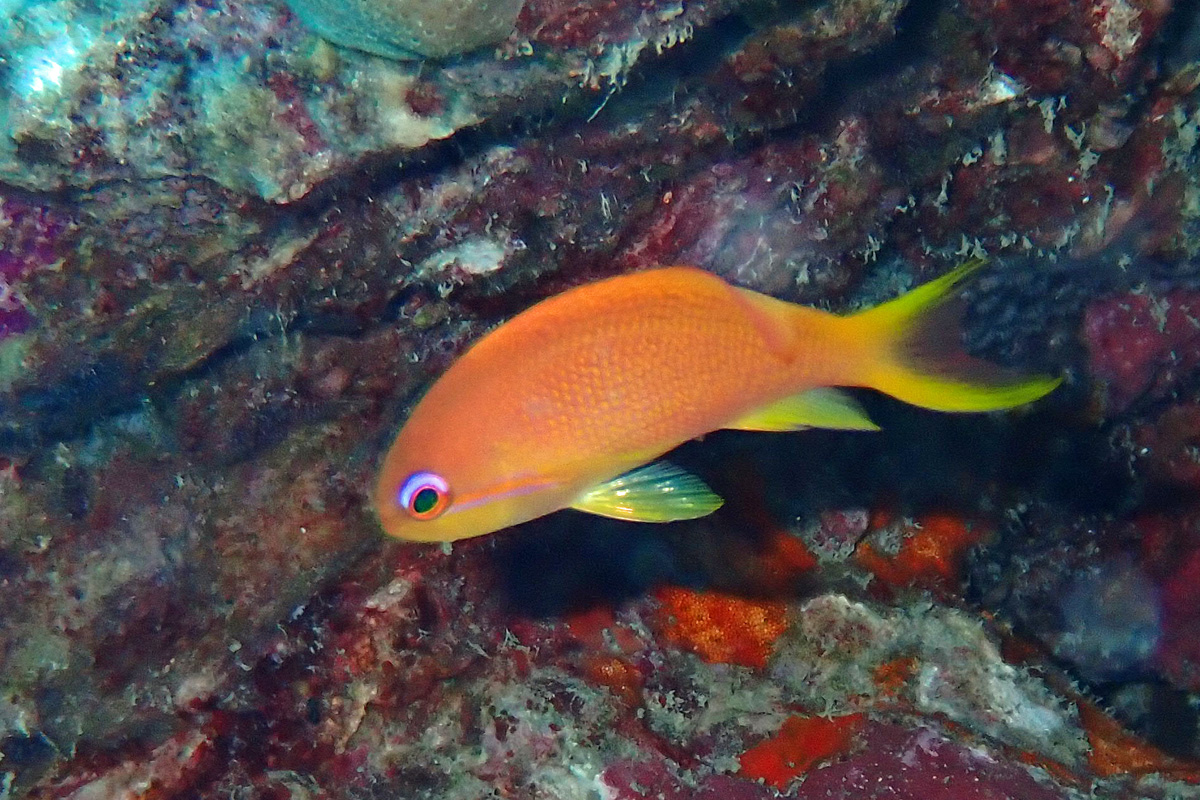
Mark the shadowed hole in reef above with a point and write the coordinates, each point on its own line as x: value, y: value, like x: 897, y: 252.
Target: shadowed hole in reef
x: 1161, y: 714
x: 26, y: 750
x: 920, y: 460
x: 25, y: 756
x: 570, y: 560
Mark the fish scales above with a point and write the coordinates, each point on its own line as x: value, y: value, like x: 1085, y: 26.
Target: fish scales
x: 703, y: 360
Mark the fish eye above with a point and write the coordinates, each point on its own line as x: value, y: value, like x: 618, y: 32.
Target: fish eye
x: 424, y: 495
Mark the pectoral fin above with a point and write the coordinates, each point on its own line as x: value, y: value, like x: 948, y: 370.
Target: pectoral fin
x: 817, y: 408
x: 657, y: 492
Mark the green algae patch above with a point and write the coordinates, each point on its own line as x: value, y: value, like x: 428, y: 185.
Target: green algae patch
x: 13, y: 350
x: 410, y: 29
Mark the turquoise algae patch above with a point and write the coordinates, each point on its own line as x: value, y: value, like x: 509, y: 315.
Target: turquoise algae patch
x: 410, y: 29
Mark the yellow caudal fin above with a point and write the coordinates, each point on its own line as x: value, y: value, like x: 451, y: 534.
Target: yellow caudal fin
x: 915, y: 353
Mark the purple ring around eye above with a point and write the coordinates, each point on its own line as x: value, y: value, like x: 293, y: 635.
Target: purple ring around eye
x: 418, y: 481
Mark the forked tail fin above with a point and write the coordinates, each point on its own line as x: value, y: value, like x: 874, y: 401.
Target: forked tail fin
x: 915, y: 353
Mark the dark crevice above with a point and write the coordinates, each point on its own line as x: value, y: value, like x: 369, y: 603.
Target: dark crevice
x: 1176, y: 45
x: 848, y: 79
x: 678, y: 70
x: 660, y: 79
x: 1178, y: 42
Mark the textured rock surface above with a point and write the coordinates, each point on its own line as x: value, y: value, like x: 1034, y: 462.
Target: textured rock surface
x: 231, y: 255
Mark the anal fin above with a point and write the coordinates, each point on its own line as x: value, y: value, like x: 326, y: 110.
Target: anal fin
x: 823, y: 407
x: 656, y: 492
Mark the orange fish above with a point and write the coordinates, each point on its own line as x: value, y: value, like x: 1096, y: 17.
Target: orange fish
x: 570, y: 403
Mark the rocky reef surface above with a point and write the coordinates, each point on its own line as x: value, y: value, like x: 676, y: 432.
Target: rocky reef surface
x: 232, y: 254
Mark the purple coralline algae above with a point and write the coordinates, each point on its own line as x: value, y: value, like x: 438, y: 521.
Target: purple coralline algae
x: 30, y: 239
x: 232, y: 254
